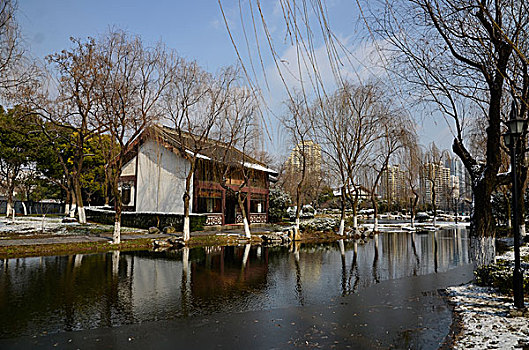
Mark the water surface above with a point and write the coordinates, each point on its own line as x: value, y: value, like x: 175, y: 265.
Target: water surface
x: 82, y: 292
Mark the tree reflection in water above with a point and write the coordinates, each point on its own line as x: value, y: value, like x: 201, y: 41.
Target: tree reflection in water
x: 104, y: 290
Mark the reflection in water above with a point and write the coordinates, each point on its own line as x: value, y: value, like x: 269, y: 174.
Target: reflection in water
x: 90, y: 291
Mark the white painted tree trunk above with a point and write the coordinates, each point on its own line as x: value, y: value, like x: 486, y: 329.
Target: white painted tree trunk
x: 247, y: 232
x: 187, y: 229
x: 523, y: 233
x: 413, y: 221
x: 296, y: 229
x: 42, y: 223
x: 8, y: 209
x: 482, y: 250
x: 72, y: 210
x: 116, y: 236
x: 341, y: 229
x: 376, y: 241
x: 82, y: 215
x: 24, y: 208
x: 355, y: 222
x: 67, y: 209
x: 375, y: 227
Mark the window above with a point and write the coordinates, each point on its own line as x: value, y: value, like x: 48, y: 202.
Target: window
x: 209, y: 201
x: 125, y: 194
x: 257, y: 203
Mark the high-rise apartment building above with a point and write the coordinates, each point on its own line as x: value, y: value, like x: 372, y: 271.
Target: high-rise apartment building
x: 313, y: 161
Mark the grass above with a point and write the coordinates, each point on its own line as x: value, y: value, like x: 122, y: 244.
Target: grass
x: 141, y: 243
x: 21, y: 251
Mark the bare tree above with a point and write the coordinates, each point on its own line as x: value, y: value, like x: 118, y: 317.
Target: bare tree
x: 467, y: 57
x: 411, y: 160
x: 347, y: 126
x: 16, y: 69
x: 73, y: 107
x: 133, y: 79
x: 395, y: 132
x: 236, y: 131
x: 297, y: 123
x: 194, y: 101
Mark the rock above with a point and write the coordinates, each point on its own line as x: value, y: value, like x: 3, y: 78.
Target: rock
x: 68, y: 220
x: 176, y: 242
x: 168, y: 243
x: 160, y: 243
x: 153, y: 230
x: 169, y: 230
x: 276, y: 238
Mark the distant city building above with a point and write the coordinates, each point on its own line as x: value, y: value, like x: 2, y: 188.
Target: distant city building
x: 312, y: 152
x: 443, y: 180
x: 393, y: 186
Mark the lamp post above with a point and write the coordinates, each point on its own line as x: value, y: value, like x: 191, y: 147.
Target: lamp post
x: 512, y: 138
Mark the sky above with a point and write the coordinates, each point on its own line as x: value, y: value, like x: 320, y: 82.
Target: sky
x: 196, y: 29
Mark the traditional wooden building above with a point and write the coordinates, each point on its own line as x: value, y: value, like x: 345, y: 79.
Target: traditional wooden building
x: 153, y: 178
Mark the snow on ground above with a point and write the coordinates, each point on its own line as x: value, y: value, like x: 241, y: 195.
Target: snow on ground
x: 488, y: 318
x: 32, y: 224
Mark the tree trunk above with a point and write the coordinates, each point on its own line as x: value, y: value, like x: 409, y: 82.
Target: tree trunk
x: 10, y: 202
x: 73, y: 207
x: 434, y: 204
x: 297, y: 233
x: 79, y: 199
x: 375, y: 213
x: 68, y: 201
x: 9, y: 206
x: 118, y: 207
x: 341, y: 229
x: 186, y: 232
x: 247, y: 232
x: 355, y: 212
x: 482, y: 229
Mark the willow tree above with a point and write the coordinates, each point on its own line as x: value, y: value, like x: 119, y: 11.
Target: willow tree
x: 411, y: 161
x: 347, y: 125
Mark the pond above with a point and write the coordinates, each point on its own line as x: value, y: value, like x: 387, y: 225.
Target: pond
x: 54, y: 295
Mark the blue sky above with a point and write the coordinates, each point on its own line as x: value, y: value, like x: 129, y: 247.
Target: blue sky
x: 196, y: 30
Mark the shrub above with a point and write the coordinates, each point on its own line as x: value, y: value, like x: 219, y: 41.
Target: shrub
x: 279, y: 202
x: 319, y: 225
x: 499, y: 276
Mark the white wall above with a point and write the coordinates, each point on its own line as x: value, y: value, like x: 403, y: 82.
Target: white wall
x: 161, y: 179
x: 129, y: 168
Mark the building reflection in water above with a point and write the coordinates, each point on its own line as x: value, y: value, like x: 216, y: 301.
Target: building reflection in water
x: 89, y: 291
